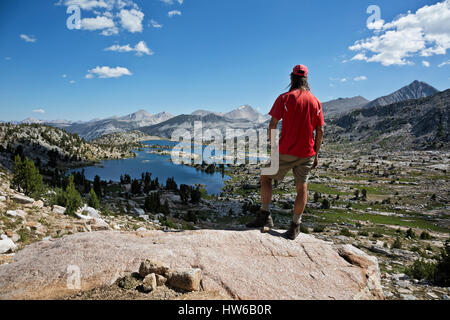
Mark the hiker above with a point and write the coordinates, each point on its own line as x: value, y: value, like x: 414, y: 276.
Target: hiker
x: 301, y: 113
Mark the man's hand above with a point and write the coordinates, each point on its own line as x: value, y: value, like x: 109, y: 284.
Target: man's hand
x: 316, y: 162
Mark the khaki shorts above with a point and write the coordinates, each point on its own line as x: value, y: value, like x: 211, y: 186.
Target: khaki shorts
x: 301, y: 168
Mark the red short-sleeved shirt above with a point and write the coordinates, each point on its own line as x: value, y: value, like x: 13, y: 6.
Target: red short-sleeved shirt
x: 301, y: 113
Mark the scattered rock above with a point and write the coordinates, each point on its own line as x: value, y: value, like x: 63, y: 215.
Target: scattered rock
x: 445, y: 297
x: 186, y: 279
x: 139, y: 211
x: 38, y: 204
x: 22, y: 199
x: 59, y: 209
x: 431, y: 295
x: 149, y: 283
x: 11, y: 213
x: 408, y: 297
x: 82, y: 216
x: 160, y: 280
x: 6, y: 244
x: 2, y: 198
x: 91, y: 212
x: 148, y: 267
x: 98, y: 224
x: 128, y: 282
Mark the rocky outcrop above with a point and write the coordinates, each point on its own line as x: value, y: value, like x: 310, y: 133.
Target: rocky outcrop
x: 238, y: 265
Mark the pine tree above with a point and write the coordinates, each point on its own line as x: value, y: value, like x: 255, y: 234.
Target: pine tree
x: 93, y: 200
x: 73, y: 198
x: 184, y: 193
x: 98, y: 186
x: 27, y: 178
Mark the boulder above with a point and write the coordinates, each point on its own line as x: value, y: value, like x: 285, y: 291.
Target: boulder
x: 147, y: 267
x: 91, y: 212
x: 187, y: 279
x: 22, y: 199
x: 236, y: 264
x: 149, y: 283
x: 369, y: 265
x: 6, y: 244
x: 59, y: 209
x: 160, y: 280
x: 98, y: 224
x: 11, y: 213
x: 2, y: 198
x: 139, y: 211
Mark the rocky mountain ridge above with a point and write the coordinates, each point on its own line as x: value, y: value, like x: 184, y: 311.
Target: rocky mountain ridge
x: 420, y: 124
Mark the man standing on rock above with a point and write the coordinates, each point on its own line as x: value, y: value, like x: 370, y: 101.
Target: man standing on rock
x: 301, y: 113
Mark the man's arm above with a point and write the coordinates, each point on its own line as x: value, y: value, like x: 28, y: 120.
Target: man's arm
x: 273, y: 125
x: 318, y: 143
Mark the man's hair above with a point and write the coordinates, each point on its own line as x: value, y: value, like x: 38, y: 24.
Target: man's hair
x: 298, y: 82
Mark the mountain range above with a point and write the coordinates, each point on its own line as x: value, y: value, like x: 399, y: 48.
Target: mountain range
x: 243, y: 117
x: 412, y: 124
x: 415, y: 90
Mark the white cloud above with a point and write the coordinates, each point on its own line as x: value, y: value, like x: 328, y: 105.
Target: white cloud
x: 360, y: 78
x: 376, y: 25
x: 107, y: 72
x: 426, y: 64
x: 180, y: 2
x: 42, y: 111
x: 8, y: 58
x: 444, y: 64
x: 109, y: 15
x: 425, y: 32
x: 72, y: 81
x: 97, y: 23
x: 339, y: 79
x: 28, y: 38
x: 140, y: 49
x: 174, y: 13
x: 86, y: 4
x: 132, y: 20
x: 155, y: 24
x: 64, y: 75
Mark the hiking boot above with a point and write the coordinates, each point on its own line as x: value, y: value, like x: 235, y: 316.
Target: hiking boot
x: 293, y: 232
x: 263, y: 219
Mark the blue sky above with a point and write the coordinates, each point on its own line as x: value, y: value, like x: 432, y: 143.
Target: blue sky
x: 209, y: 54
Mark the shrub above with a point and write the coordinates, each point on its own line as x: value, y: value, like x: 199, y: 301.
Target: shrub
x: 442, y: 272
x: 410, y: 234
x: 425, y: 236
x: 346, y: 232
x: 363, y: 233
x: 421, y: 270
x: 377, y: 235
x: 364, y: 194
x: 326, y: 204
x: 304, y: 229
x: 316, y: 197
x: 397, y: 244
x: 319, y: 229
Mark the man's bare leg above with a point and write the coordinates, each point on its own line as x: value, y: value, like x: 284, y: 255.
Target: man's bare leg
x: 263, y: 218
x: 300, y: 202
x: 266, y: 192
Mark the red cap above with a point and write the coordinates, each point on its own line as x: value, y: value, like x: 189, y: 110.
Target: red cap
x: 301, y: 70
